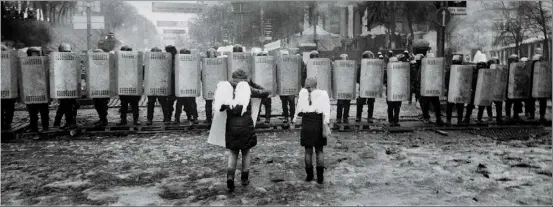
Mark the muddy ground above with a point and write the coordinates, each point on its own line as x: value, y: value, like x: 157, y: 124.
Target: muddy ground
x: 418, y: 168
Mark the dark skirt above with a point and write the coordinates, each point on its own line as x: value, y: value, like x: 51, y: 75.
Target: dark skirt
x: 312, y: 130
x: 240, y: 133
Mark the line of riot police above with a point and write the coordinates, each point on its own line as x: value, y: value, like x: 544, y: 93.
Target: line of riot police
x: 169, y: 76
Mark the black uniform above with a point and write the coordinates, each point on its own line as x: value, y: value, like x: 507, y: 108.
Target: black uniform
x: 393, y: 107
x: 512, y: 105
x: 163, y: 101
x: 67, y: 107
x: 265, y: 102
x: 481, y: 108
x: 8, y: 107
x: 362, y: 101
x: 188, y: 104
x: 129, y: 100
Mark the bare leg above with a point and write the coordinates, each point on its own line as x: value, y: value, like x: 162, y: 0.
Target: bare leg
x: 320, y: 156
x: 308, y: 156
x: 246, y: 159
x: 231, y: 168
x: 309, y: 164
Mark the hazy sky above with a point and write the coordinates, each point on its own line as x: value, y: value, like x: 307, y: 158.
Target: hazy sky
x: 145, y: 8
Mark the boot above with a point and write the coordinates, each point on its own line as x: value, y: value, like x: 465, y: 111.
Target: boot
x: 177, y: 120
x: 136, y: 122
x: 244, y: 178
x: 320, y: 176
x: 309, y: 172
x: 149, y: 122
x: 370, y: 120
x: 230, y: 180
x: 285, y: 120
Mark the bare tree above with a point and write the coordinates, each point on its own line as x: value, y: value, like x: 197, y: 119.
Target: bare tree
x: 517, y: 25
x: 539, y: 16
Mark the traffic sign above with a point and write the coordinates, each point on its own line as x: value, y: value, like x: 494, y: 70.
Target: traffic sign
x: 457, y: 7
x: 443, y: 16
x: 170, y: 7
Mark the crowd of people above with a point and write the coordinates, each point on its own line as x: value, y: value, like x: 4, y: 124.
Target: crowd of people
x: 513, y: 108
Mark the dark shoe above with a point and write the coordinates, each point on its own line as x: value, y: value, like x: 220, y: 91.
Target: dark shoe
x: 177, y: 121
x: 195, y: 121
x: 267, y: 121
x: 479, y: 122
x: 65, y: 126
x: 309, y: 172
x: 230, y: 185
x: 346, y: 121
x: 136, y: 122
x: 56, y: 124
x: 370, y: 120
x: 149, y: 122
x: 397, y: 124
x: 466, y: 121
x: 339, y: 121
x: 244, y: 178
x: 426, y: 121
x: 122, y: 122
x: 208, y: 121
x: 358, y: 120
x: 320, y: 174
x: 44, y: 130
x: 439, y: 122
x: 32, y: 130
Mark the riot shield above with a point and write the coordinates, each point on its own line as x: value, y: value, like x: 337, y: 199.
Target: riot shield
x: 321, y: 69
x: 264, y: 73
x: 214, y: 70
x: 519, y: 81
x: 10, y: 77
x: 432, y: 77
x: 460, y: 84
x: 128, y: 67
x: 344, y: 81
x: 158, y: 73
x: 34, y: 79
x: 484, y: 87
x: 187, y: 75
x: 288, y: 73
x: 237, y: 61
x: 99, y: 73
x: 541, y: 83
x: 371, y: 78
x: 65, y: 75
x: 398, y: 85
x: 499, y: 87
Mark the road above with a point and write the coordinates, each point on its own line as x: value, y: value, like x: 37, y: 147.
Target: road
x: 417, y: 168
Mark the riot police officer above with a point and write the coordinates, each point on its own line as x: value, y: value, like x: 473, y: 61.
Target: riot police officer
x: 265, y: 101
x: 393, y: 106
x: 186, y: 103
x: 362, y: 101
x: 542, y: 101
x: 425, y: 101
x: 35, y: 109
x: 67, y: 106
x: 480, y: 60
x: 101, y: 105
x: 170, y: 100
x: 152, y: 101
x: 498, y: 104
x: 129, y: 100
x: 456, y: 60
x: 211, y: 53
x: 343, y: 105
x: 312, y: 55
x: 8, y: 106
x: 288, y: 102
x: 512, y: 105
x: 484, y: 66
